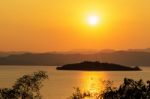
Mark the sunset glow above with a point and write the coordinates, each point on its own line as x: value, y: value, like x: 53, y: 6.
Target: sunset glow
x: 92, y: 81
x: 94, y: 24
x: 76, y: 49
x: 93, y: 20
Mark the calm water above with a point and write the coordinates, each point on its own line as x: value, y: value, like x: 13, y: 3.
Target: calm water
x: 60, y: 83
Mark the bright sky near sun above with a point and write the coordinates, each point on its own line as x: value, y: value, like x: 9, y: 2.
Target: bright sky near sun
x: 48, y: 25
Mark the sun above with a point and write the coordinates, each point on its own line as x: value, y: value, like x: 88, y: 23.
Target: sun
x: 93, y: 20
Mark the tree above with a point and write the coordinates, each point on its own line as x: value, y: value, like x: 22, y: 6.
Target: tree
x: 129, y: 89
x: 26, y: 87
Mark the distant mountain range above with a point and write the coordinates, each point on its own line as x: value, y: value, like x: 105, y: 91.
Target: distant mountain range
x: 140, y: 50
x: 4, y: 54
x: 134, y: 57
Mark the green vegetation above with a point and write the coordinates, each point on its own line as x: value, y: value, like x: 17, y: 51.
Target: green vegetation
x: 129, y: 89
x: 26, y: 87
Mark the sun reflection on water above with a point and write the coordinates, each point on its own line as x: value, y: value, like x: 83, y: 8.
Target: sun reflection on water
x: 93, y: 81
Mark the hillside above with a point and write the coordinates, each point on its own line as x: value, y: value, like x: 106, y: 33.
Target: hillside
x: 52, y: 59
x: 97, y: 66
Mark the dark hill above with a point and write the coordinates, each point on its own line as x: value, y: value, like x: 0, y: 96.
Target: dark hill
x: 130, y: 58
x: 97, y: 66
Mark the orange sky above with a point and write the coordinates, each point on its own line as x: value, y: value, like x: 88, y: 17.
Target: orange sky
x: 56, y: 25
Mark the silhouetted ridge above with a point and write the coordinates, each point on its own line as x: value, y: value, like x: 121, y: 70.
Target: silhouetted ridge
x: 128, y: 58
x: 97, y: 66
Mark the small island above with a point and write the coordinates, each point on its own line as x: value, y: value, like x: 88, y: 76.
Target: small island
x: 97, y: 66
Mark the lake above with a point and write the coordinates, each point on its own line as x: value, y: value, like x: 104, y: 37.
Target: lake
x: 60, y: 83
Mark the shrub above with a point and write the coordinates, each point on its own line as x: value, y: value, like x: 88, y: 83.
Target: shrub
x: 129, y: 89
x: 26, y: 87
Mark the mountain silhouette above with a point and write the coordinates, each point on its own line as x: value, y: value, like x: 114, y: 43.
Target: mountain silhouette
x: 131, y: 58
x: 97, y: 66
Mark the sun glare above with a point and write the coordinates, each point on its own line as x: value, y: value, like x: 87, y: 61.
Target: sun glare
x: 92, y: 81
x: 93, y: 20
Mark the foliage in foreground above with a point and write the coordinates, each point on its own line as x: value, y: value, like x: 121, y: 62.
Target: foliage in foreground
x: 26, y: 87
x: 129, y: 89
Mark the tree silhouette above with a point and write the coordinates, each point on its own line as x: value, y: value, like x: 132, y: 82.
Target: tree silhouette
x: 129, y: 89
x: 26, y: 87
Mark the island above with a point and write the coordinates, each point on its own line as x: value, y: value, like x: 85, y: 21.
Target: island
x: 97, y: 66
